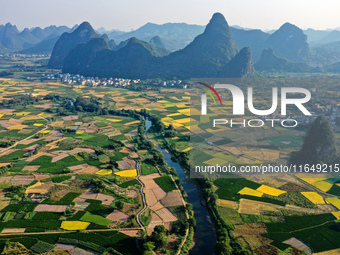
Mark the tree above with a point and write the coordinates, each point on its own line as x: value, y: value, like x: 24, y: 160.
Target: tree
x: 159, y: 236
x: 18, y: 189
x: 148, y: 253
x: 149, y: 246
x: 141, y: 234
x: 68, y: 211
x: 119, y: 205
x: 192, y: 221
x: 222, y: 247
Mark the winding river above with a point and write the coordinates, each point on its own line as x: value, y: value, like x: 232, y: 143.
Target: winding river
x: 204, y: 237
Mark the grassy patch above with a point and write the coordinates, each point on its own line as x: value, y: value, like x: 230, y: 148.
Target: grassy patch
x: 179, y: 212
x: 69, y: 197
x: 148, y: 169
x: 47, y: 216
x: 20, y: 208
x: 100, y: 124
x: 96, y: 219
x: 42, y: 160
x: 51, y: 224
x: 166, y: 183
x: 12, y: 156
x: 129, y: 183
x: 306, y: 221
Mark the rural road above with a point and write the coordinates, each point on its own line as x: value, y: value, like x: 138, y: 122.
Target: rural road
x: 63, y: 232
x: 142, y: 193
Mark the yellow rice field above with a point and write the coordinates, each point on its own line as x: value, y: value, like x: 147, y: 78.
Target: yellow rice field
x: 323, y: 185
x: 127, y: 173
x: 334, y: 201
x: 104, y: 172
x: 270, y: 191
x: 314, y: 197
x: 30, y: 118
x: 181, y: 121
x: 336, y: 214
x: 17, y: 127
x: 250, y: 192
x: 74, y: 225
x: 113, y: 120
x: 21, y: 113
x: 312, y: 180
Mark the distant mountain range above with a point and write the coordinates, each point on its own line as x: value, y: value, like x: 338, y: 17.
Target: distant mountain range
x: 309, y: 47
x: 40, y: 40
x: 211, y: 54
x: 269, y: 62
x: 175, y: 36
x: 320, y: 37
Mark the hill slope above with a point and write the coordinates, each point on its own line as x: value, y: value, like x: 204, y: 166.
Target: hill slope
x: 67, y: 41
x: 319, y: 144
x: 271, y: 63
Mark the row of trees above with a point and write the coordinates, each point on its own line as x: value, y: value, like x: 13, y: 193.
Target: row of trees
x: 226, y: 243
x: 6, y: 143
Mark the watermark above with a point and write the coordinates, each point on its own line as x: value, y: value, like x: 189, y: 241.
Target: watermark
x: 238, y: 99
x: 238, y: 126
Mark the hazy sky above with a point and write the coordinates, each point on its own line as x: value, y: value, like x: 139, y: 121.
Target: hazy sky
x: 131, y: 14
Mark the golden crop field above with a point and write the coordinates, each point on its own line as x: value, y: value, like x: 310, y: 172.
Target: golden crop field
x: 314, y: 197
x: 336, y: 214
x: 270, y: 191
x: 127, y: 173
x: 250, y: 192
x: 334, y: 201
x: 104, y: 172
x: 323, y: 185
x: 227, y: 203
x: 74, y: 225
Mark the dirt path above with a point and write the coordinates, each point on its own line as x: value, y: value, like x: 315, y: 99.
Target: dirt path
x: 63, y: 232
x: 142, y: 194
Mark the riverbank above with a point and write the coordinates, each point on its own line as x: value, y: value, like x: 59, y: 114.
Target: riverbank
x: 204, y: 236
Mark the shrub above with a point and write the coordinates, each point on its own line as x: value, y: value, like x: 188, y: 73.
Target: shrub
x: 5, y: 185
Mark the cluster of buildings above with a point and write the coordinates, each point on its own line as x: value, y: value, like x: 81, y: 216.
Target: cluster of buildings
x: 174, y: 83
x: 331, y: 112
x: 67, y: 78
x: 88, y: 81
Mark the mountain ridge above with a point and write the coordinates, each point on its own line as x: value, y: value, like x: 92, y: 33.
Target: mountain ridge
x: 68, y: 41
x: 209, y: 55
